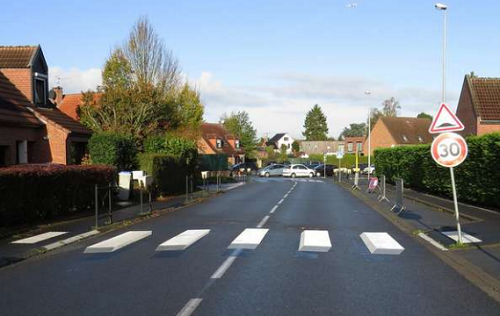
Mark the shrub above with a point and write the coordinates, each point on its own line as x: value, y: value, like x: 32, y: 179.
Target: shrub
x: 216, y: 162
x: 111, y: 148
x: 169, y: 172
x: 38, y: 192
x: 477, y: 178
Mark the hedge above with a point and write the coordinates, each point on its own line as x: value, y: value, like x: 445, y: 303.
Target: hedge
x: 477, y: 178
x: 216, y: 162
x: 112, y: 148
x: 169, y: 172
x: 38, y: 192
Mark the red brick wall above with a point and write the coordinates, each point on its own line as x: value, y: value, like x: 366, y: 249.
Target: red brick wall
x: 380, y: 138
x: 465, y: 111
x: 39, y: 152
x: 487, y: 128
x: 22, y: 79
x: 59, y: 146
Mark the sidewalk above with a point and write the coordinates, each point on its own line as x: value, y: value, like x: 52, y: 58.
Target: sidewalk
x: 80, y: 228
x: 434, y: 215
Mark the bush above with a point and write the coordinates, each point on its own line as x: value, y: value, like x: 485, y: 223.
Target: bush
x: 216, y: 162
x: 111, y: 148
x: 169, y: 172
x: 477, y: 178
x: 38, y: 192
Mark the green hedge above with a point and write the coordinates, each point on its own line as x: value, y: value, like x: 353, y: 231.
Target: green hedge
x: 31, y: 193
x: 111, y: 148
x: 477, y: 178
x: 169, y: 172
x: 212, y: 162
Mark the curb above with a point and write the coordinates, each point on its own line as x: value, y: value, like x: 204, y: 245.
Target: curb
x: 473, y: 273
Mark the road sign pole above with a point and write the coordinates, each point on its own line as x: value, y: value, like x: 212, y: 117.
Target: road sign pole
x: 455, y: 202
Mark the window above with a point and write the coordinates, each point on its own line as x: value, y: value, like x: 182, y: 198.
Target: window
x: 219, y: 143
x: 288, y: 146
x: 341, y: 148
x: 237, y: 144
x: 360, y: 146
x: 349, y: 147
x: 285, y: 139
x: 40, y: 91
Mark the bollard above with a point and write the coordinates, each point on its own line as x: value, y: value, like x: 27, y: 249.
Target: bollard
x: 110, y: 216
x: 192, y: 190
x: 187, y: 189
x: 140, y: 199
x: 96, y: 206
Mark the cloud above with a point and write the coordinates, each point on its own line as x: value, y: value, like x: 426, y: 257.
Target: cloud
x: 74, y: 80
x: 282, y: 106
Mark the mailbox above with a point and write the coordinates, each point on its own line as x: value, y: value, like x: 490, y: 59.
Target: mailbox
x: 146, y: 181
x: 204, y: 175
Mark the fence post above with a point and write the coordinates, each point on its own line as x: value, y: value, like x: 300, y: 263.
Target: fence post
x: 187, y: 189
x: 192, y: 189
x: 382, y: 196
x: 141, y: 199
x: 110, y: 211
x: 96, y: 206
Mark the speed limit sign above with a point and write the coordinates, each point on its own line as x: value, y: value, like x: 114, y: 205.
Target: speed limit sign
x: 449, y: 149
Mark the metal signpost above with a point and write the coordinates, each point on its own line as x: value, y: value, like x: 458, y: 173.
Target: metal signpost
x: 382, y: 196
x: 340, y: 155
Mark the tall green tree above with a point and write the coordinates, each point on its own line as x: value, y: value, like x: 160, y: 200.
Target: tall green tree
x: 354, y: 130
x: 283, y: 154
x: 315, y: 124
x: 239, y: 124
x: 296, y: 146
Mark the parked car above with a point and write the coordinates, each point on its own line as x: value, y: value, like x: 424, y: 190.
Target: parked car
x: 275, y: 170
x: 243, y: 165
x: 371, y: 169
x: 320, y: 170
x: 361, y: 166
x: 298, y: 170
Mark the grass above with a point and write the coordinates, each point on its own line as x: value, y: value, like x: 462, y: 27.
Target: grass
x: 417, y: 231
x: 459, y: 246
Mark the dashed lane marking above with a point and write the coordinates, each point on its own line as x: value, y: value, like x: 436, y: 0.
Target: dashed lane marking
x: 263, y: 221
x: 190, y: 307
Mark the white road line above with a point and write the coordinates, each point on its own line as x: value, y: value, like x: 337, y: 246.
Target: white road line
x: 250, y: 238
x: 224, y: 266
x: 273, y: 209
x: 281, y: 201
x: 70, y: 240
x: 118, y: 242
x: 263, y: 221
x: 39, y: 238
x: 381, y: 243
x: 183, y: 240
x: 315, y: 240
x: 432, y: 242
x: 286, y: 195
x: 189, y: 308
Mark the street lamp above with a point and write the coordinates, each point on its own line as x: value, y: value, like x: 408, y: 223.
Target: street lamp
x: 443, y: 7
x: 369, y: 139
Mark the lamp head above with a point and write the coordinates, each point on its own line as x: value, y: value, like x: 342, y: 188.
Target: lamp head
x: 440, y: 6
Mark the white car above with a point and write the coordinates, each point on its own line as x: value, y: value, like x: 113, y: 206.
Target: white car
x: 369, y: 169
x: 298, y: 170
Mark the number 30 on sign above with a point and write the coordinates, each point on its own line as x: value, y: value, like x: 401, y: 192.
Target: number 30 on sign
x: 449, y: 149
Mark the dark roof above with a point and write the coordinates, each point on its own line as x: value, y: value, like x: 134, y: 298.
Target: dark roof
x: 408, y: 130
x: 17, y: 56
x: 276, y: 138
x: 214, y: 130
x: 13, y: 105
x: 485, y: 94
x: 61, y: 119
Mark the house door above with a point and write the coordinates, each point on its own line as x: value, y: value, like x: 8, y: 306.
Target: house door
x: 3, y: 156
x: 22, y: 151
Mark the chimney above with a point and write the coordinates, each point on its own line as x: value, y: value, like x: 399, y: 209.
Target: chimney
x: 56, y: 94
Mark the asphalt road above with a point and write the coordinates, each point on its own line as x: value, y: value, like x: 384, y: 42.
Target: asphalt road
x: 274, y: 279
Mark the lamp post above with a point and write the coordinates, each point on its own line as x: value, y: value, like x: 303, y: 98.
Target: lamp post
x: 369, y: 139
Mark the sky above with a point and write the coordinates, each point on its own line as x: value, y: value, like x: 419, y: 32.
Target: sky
x: 276, y: 59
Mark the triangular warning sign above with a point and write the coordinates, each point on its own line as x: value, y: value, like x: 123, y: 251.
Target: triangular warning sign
x: 445, y: 121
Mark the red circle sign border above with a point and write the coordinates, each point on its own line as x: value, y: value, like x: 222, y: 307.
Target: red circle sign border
x: 463, y: 153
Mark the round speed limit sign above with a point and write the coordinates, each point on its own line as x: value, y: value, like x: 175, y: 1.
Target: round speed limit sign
x: 449, y: 149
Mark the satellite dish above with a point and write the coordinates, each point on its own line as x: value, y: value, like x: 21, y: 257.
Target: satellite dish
x: 52, y: 94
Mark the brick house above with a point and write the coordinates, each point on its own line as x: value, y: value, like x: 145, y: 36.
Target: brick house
x: 215, y: 139
x: 479, y: 105
x: 319, y: 147
x: 353, y: 144
x: 70, y: 103
x: 32, y: 129
x: 399, y: 131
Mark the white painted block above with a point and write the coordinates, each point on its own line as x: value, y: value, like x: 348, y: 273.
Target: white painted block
x: 38, y: 238
x: 183, y: 240
x: 315, y: 240
x: 250, y: 238
x: 466, y: 238
x: 118, y: 242
x: 381, y: 244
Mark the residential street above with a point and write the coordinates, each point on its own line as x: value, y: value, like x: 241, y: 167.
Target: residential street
x: 274, y: 279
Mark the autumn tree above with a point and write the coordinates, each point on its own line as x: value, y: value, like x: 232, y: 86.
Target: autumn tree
x: 239, y: 124
x: 315, y: 125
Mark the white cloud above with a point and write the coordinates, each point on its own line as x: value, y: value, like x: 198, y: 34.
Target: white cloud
x: 75, y: 80
x: 282, y: 107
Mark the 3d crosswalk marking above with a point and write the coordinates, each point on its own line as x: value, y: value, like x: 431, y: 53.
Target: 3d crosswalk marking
x: 250, y: 238
x: 38, y: 238
x: 381, y: 243
x: 315, y: 240
x: 183, y: 240
x: 466, y: 238
x: 118, y: 242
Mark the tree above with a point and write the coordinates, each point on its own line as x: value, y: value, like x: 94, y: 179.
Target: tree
x: 283, y: 154
x: 424, y: 115
x: 271, y: 154
x: 354, y: 130
x: 239, y: 124
x: 295, y: 146
x: 315, y: 125
x: 375, y: 115
x: 189, y: 111
x: 390, y: 107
